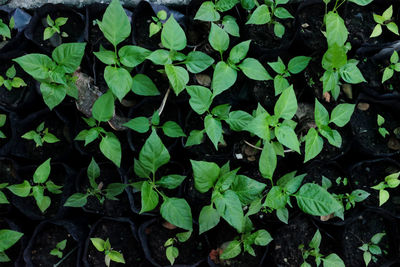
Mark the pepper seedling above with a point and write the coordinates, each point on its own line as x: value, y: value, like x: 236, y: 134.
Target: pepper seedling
x: 11, y: 81
x: 41, y: 135
x: 58, y: 250
x: 54, y: 27
x: 109, y: 252
x: 372, y: 249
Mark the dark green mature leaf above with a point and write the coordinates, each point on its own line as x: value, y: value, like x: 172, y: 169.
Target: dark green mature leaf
x: 260, y: 15
x: 208, y: 219
x: 103, y: 108
x: 177, y: 212
x: 153, y: 154
x: 276, y: 198
x: 53, y: 94
x: 225, y: 5
x: 361, y: 2
x: 76, y: 200
x: 351, y: 74
x: 197, y: 61
x: 149, y: 197
x: 230, y: 208
x: 36, y: 65
x: 238, y: 120
x: 261, y: 237
x: 268, y: 161
x: 232, y: 250
x: 138, y: 124
x: 171, y: 181
x: 223, y: 78
x: 253, y: 69
x: 205, y: 174
x: 172, y: 35
x: 132, y: 55
x: 298, y: 64
x: 144, y: 86
x: 247, y: 189
x: 69, y: 55
x: 315, y: 200
x: 172, y: 129
x: 230, y: 25
x: 177, y: 76
x: 259, y: 126
x: 207, y: 12
x: 115, y: 24
x: 108, y: 57
x: 333, y: 260
x: 218, y: 38
x: 118, y: 80
x: 334, y: 58
x: 195, y: 138
x: 111, y: 148
x: 282, y: 13
x: 287, y: 137
x: 314, y: 144
x: 200, y: 98
x: 286, y: 106
x: 213, y: 129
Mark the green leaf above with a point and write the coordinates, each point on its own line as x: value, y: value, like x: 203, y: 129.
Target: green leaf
x: 213, y: 129
x: 103, y: 107
x: 118, y: 80
x: 53, y: 94
x: 333, y: 260
x: 279, y: 29
x: 53, y: 188
x: 268, y: 161
x: 261, y: 238
x: 172, y: 253
x: 197, y: 61
x: 208, y: 219
x: 172, y: 129
x: 393, y: 27
x: 383, y: 196
x: 298, y: 64
x: 177, y: 76
x: 260, y: 15
x: 229, y: 207
x: 18, y: 82
x: 115, y: 24
x: 315, y: 200
x: 351, y: 74
x: 207, y: 12
x: 69, y: 55
x: 247, y: 189
x: 177, y: 212
x: 376, y: 31
x: 22, y: 190
x: 139, y: 124
x: 334, y: 58
x: 282, y: 13
x: 3, y: 198
x: 314, y: 144
x: 239, y: 52
x: 171, y: 181
x: 4, y: 30
x: 184, y: 236
x: 153, y: 154
x: 221, y: 111
x: 172, y: 35
x: 230, y: 25
x: 387, y: 74
x: 361, y: 2
x: 367, y: 257
x: 160, y: 57
x: 218, y: 38
x: 106, y: 56
x: 144, y: 86
x: 200, y: 98
x: 321, y: 115
x: 316, y: 240
x: 336, y: 31
x: 287, y: 137
x: 111, y: 148
x: 8, y: 238
x: 36, y: 65
x: 225, y: 5
x: 253, y: 69
x: 50, y: 138
x: 260, y: 127
x: 280, y: 84
x: 42, y: 172
x: 116, y: 256
x: 43, y: 202
x: 195, y: 138
x: 76, y: 200
x: 223, y: 78
x: 286, y: 105
x: 205, y: 174
x: 132, y: 55
x: 341, y: 114
x: 376, y: 239
x: 238, y: 120
x: 11, y: 72
x: 98, y: 243
x: 149, y: 197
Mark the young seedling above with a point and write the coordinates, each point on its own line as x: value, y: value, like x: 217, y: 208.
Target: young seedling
x: 58, y: 250
x: 109, y: 143
x: 109, y: 252
x: 7, y: 239
x: 96, y: 189
x: 152, y: 156
x: 156, y: 24
x: 384, y: 20
x: 11, y: 81
x: 313, y: 250
x: 391, y: 181
x: 54, y: 27
x: 372, y: 249
x: 268, y: 13
x: 394, y: 66
x: 3, y: 118
x: 55, y: 75
x: 41, y: 183
x: 171, y: 251
x: 5, y: 30
x: 382, y: 130
x: 41, y: 135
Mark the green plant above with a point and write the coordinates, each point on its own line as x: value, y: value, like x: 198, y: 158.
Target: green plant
x: 229, y: 193
x: 54, y: 27
x: 340, y: 116
x: 171, y: 251
x: 156, y: 24
x: 268, y: 13
x: 11, y: 81
x: 372, y: 249
x: 295, y: 66
x: 110, y: 254
x: 382, y: 130
x: 3, y: 197
x: 384, y: 20
x: 41, y: 183
x: 3, y: 118
x: 58, y: 250
x: 391, y: 181
x: 55, y: 75
x: 152, y: 156
x: 313, y: 250
x: 96, y: 190
x: 5, y: 30
x: 7, y: 239
x: 41, y: 135
x: 109, y: 143
x: 394, y: 66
